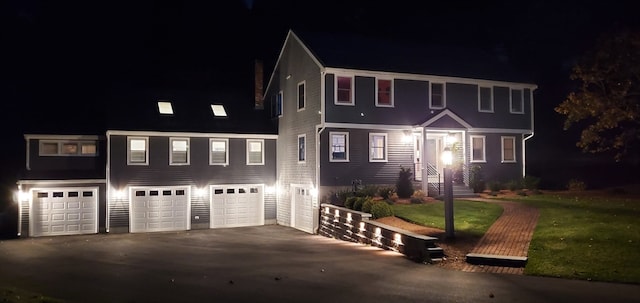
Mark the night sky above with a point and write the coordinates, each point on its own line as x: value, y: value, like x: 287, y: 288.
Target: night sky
x: 63, y: 60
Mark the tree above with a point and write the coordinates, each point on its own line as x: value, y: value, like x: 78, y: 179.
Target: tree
x: 606, y: 104
x: 404, y: 187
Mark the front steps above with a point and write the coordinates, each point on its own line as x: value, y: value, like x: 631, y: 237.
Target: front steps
x: 459, y: 191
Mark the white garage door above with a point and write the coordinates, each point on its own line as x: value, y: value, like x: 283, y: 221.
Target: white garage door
x: 237, y: 205
x: 302, y: 209
x: 159, y: 209
x: 64, y: 211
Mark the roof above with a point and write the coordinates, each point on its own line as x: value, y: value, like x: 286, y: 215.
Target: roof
x: 355, y: 51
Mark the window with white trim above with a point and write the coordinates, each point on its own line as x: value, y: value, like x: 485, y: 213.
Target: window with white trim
x: 255, y: 152
x: 377, y: 147
x: 338, y: 147
x: 279, y: 100
x: 179, y: 151
x: 218, y: 151
x: 508, y: 149
x: 478, y: 150
x: 384, y: 93
x: 516, y: 102
x: 344, y: 91
x: 301, y: 95
x: 437, y: 96
x: 67, y: 148
x: 302, y: 143
x: 137, y: 150
x: 485, y: 99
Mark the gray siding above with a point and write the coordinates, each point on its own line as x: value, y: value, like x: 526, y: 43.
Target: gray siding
x: 494, y: 169
x: 359, y: 167
x: 93, y: 166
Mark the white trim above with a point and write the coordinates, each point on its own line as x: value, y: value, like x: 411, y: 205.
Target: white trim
x: 499, y: 130
x: 444, y: 95
x: 248, y: 141
x: 368, y: 126
x: 304, y: 92
x: 352, y: 89
x: 28, y: 161
x: 60, y: 182
x: 524, y: 150
x: 188, y: 134
x: 449, y: 113
x: 490, y: 99
x: 60, y: 137
x: 304, y: 136
x: 226, y: 150
x: 108, y: 185
x: 502, y: 138
x: 377, y: 91
x: 146, y: 150
x: 511, y: 101
x: 346, y: 146
x: 484, y: 149
x: 171, y: 140
x: 385, y: 147
x: 61, y: 142
x: 280, y: 96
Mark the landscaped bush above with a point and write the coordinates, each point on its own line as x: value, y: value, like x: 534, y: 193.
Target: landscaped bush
x: 357, y: 205
x: 514, y: 185
x: 530, y: 182
x: 404, y: 187
x: 350, y: 202
x: 416, y: 200
x: 495, y: 186
x: 366, y: 206
x: 340, y: 197
x: 367, y: 191
x: 476, y: 180
x: 385, y: 192
x: 576, y: 185
x: 381, y: 210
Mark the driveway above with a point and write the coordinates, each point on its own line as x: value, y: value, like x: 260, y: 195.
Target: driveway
x: 261, y: 264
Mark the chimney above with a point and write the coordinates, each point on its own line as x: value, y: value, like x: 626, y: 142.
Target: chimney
x: 259, y: 84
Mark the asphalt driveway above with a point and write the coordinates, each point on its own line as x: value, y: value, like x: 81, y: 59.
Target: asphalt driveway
x: 261, y: 264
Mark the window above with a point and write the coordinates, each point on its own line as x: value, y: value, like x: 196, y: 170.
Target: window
x: 165, y: 108
x: 485, y: 99
x: 301, y: 95
x: 384, y: 93
x: 339, y: 147
x: 302, y: 153
x: 137, y: 151
x: 477, y: 149
x: 508, y: 149
x: 517, y: 103
x: 279, y: 100
x: 218, y: 110
x: 344, y: 91
x: 437, y: 97
x: 219, y: 153
x: 255, y: 152
x: 377, y: 147
x: 179, y: 153
x: 67, y: 148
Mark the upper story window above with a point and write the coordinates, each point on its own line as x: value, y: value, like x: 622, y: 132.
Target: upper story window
x: 508, y: 149
x: 516, y: 102
x: 218, y: 110
x: 377, y: 147
x: 165, y: 108
x: 279, y: 100
x: 67, y: 148
x: 338, y: 146
x: 485, y: 99
x: 437, y: 96
x: 302, y: 153
x: 384, y: 93
x: 301, y: 95
x: 344, y: 91
x: 137, y: 150
x: 478, y: 149
x: 255, y: 152
x: 179, y: 153
x: 219, y: 151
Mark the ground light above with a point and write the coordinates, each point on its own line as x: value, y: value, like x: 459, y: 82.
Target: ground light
x: 447, y: 160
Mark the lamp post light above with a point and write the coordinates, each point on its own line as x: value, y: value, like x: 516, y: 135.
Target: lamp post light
x: 447, y: 160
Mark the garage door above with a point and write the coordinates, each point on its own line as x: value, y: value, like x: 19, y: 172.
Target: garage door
x: 237, y: 205
x: 159, y: 209
x: 64, y: 211
x: 302, y: 209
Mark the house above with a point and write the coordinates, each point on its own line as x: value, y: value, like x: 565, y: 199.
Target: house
x: 357, y: 109
x: 336, y: 110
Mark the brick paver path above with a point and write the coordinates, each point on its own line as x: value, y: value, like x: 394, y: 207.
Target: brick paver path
x: 510, y: 235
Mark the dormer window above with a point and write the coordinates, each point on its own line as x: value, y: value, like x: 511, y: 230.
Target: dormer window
x: 344, y: 91
x: 165, y: 108
x: 218, y: 110
x: 437, y: 97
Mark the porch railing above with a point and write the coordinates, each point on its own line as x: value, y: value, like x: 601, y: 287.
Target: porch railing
x: 432, y: 175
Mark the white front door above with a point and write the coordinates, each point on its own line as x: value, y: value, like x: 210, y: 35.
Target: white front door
x: 64, y: 211
x: 417, y: 156
x: 237, y: 205
x: 159, y: 209
x: 302, y: 209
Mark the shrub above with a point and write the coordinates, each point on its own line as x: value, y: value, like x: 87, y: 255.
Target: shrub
x: 357, y: 205
x: 404, y: 187
x: 367, y: 190
x: 416, y: 200
x: 522, y: 193
x: 389, y: 201
x: 576, y: 185
x: 342, y: 196
x: 495, y: 186
x: 476, y: 180
x: 350, y: 202
x: 530, y: 182
x: 366, y: 206
x: 514, y: 185
x: 385, y: 192
x: 381, y: 210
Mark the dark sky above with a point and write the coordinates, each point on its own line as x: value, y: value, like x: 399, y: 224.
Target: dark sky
x: 63, y: 59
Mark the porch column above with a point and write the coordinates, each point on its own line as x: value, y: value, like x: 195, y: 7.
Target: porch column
x: 423, y: 170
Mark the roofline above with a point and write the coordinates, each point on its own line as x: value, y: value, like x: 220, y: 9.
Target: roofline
x: 449, y: 113
x: 60, y: 137
x: 190, y: 134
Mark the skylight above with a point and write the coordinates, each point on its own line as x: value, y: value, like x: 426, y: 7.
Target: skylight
x: 218, y: 110
x: 165, y: 108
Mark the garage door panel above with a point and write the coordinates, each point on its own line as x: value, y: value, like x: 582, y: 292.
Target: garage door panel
x: 62, y: 211
x: 73, y: 205
x: 73, y: 217
x: 237, y: 205
x: 302, y: 209
x: 160, y: 209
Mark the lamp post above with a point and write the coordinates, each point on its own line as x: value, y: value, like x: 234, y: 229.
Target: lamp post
x: 447, y: 160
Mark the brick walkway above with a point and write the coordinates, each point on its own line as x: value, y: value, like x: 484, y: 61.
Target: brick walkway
x: 510, y: 235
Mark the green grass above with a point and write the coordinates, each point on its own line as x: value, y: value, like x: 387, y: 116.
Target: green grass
x: 469, y: 217
x: 589, y: 236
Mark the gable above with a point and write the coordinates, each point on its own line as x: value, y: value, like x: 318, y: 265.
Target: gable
x: 446, y: 119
